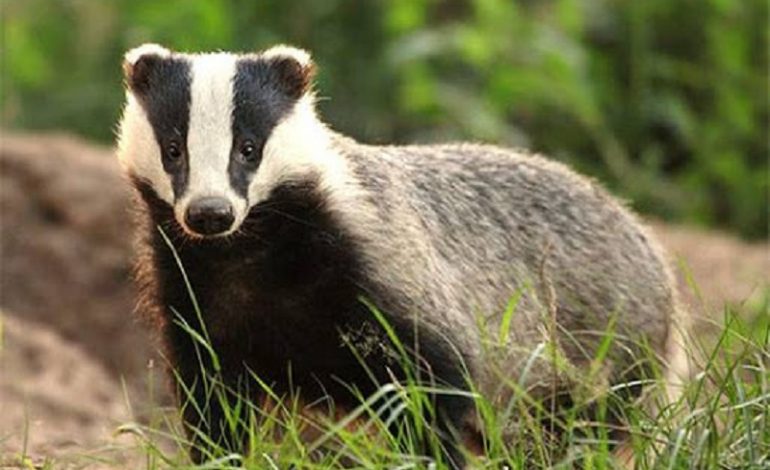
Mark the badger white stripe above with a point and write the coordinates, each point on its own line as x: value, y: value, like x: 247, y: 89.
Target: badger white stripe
x: 138, y: 150
x: 210, y: 137
x: 297, y: 146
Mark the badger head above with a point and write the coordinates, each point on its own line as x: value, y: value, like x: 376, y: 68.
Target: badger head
x: 212, y: 134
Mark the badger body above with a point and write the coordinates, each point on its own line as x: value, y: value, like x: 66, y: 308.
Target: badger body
x: 290, y: 234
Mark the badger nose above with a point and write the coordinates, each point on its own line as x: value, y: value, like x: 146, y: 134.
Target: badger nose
x: 209, y: 215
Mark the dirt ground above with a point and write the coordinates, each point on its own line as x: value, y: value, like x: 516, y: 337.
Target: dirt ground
x: 73, y: 360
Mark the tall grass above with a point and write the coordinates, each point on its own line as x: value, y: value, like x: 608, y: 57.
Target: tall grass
x: 720, y: 417
x: 720, y: 420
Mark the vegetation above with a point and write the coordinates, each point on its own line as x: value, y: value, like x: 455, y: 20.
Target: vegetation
x: 664, y: 100
x: 716, y: 415
x: 720, y: 420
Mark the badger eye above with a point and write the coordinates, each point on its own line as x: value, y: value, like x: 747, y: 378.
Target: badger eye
x: 248, y: 152
x: 173, y: 151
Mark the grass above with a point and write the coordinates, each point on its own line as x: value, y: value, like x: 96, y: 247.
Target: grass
x: 721, y: 419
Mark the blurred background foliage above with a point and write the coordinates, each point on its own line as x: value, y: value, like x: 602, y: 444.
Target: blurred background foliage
x: 665, y: 101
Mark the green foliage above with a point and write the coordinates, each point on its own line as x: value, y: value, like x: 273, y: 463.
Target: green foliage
x: 721, y: 419
x: 664, y: 100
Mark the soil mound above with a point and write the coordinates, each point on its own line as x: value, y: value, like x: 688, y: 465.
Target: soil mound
x: 65, y: 244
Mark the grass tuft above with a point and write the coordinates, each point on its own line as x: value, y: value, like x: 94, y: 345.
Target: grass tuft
x: 720, y: 417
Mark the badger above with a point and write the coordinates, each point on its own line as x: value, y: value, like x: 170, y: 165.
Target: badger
x: 307, y: 257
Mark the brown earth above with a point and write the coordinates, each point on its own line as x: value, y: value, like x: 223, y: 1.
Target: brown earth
x: 69, y: 336
x: 715, y: 269
x: 66, y: 241
x: 56, y: 399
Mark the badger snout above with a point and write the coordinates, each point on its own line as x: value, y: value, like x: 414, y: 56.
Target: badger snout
x: 209, y: 216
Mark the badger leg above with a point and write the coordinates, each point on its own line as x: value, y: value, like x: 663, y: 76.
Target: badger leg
x: 451, y: 414
x: 216, y: 414
x: 437, y: 366
x: 204, y: 394
x: 445, y: 419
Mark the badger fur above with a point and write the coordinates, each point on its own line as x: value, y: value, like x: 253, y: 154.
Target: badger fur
x: 284, y: 227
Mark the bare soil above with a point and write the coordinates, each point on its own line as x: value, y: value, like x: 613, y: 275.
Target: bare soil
x: 69, y: 339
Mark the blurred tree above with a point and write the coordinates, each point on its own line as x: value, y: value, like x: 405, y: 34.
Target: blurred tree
x: 664, y: 100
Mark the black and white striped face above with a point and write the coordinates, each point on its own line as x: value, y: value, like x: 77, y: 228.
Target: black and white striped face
x: 212, y: 134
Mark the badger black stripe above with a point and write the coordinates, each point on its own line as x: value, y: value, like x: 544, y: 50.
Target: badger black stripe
x: 166, y: 100
x: 258, y: 105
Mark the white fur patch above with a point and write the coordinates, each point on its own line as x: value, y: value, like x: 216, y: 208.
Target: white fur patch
x: 139, y: 152
x: 136, y: 53
x: 282, y: 50
x: 297, y: 146
x: 209, y: 139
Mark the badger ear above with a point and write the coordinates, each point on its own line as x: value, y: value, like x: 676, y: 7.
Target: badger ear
x: 138, y: 64
x: 293, y: 67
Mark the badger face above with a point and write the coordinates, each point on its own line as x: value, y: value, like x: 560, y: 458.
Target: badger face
x: 212, y: 134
